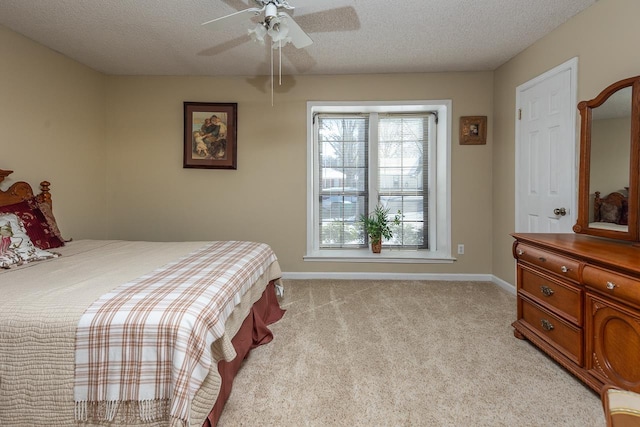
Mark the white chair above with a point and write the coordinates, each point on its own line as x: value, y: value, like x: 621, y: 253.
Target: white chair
x: 621, y: 407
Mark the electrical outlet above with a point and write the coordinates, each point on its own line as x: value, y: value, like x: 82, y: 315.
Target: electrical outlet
x: 460, y: 249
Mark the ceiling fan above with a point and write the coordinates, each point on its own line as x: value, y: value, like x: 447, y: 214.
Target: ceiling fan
x: 277, y: 24
x: 272, y: 19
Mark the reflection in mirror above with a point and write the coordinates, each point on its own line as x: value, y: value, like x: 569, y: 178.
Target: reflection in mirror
x: 609, y: 171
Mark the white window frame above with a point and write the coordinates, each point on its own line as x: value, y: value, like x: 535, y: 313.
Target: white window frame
x: 439, y: 193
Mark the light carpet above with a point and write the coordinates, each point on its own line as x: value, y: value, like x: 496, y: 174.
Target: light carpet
x: 403, y: 353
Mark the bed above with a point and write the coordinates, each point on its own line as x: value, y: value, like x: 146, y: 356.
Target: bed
x: 129, y: 333
x: 611, y: 212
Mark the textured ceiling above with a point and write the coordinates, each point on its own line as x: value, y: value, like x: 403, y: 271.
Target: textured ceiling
x: 165, y: 37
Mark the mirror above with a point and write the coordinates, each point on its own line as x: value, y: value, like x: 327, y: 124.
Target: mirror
x: 608, y: 176
x: 609, y: 171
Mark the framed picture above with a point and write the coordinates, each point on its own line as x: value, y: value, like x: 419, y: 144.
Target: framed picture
x: 210, y: 135
x: 473, y: 130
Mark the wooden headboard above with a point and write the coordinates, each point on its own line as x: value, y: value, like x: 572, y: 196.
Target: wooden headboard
x: 615, y: 199
x: 21, y: 190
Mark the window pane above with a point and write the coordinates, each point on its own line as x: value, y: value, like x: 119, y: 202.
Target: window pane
x: 402, y: 180
x: 342, y: 143
x: 341, y: 208
x: 401, y: 152
x: 338, y: 234
x: 355, y: 179
x: 413, y: 234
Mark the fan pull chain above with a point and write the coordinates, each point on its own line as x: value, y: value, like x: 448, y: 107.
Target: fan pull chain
x: 280, y: 59
x: 279, y: 68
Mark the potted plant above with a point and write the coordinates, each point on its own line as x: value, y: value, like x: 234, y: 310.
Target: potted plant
x: 377, y: 225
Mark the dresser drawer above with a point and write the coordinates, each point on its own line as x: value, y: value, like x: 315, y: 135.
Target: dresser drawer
x: 613, y: 284
x: 563, y: 266
x: 562, y: 298
x: 562, y: 335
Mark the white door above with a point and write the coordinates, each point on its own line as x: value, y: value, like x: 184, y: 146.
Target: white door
x: 545, y: 152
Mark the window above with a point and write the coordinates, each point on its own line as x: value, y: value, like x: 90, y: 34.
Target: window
x: 394, y: 154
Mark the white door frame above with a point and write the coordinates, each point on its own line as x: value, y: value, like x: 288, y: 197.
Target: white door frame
x: 572, y: 66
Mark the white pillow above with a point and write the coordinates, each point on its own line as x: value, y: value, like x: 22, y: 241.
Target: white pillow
x: 15, y: 246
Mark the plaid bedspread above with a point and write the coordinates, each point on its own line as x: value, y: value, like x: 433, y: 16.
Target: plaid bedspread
x: 144, y: 348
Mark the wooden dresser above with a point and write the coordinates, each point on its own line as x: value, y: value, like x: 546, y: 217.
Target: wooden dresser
x: 579, y: 302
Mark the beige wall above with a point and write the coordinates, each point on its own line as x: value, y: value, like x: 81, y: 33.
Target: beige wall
x: 610, y: 147
x: 52, y: 128
x: 604, y: 39
x: 151, y: 197
x: 112, y: 149
x: 112, y: 146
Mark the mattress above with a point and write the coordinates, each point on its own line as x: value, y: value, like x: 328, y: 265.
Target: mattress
x: 41, y: 305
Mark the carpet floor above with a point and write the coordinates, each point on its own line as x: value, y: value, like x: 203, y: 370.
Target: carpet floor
x: 403, y: 353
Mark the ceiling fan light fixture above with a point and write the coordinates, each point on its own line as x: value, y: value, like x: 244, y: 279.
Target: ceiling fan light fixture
x: 279, y: 31
x: 258, y: 33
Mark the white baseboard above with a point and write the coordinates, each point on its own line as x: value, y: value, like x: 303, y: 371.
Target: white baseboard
x: 400, y: 276
x: 504, y: 285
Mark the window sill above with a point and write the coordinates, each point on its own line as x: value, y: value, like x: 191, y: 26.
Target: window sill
x: 386, y: 256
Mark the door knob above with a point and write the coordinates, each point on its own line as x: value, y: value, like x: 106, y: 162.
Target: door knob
x: 560, y: 211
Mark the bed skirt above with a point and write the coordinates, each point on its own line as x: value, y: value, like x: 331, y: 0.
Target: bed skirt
x: 253, y: 333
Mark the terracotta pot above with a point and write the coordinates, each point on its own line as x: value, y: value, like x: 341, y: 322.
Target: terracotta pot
x: 376, y: 247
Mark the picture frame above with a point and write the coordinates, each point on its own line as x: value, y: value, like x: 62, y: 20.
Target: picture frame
x: 473, y: 130
x: 210, y: 135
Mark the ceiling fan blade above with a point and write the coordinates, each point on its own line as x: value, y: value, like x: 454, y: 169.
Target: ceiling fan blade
x: 332, y: 20
x: 301, y: 60
x: 234, y: 18
x: 298, y: 37
x: 223, y: 47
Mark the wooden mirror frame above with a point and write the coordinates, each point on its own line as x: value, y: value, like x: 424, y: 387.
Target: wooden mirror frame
x: 585, y: 108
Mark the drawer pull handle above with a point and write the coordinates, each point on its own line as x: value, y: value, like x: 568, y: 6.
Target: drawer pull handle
x: 520, y: 252
x: 546, y: 291
x: 564, y: 269
x: 611, y: 285
x: 546, y: 325
x: 543, y: 259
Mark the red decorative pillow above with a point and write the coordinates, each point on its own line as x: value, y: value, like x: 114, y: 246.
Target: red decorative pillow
x: 35, y: 223
x: 51, y: 220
